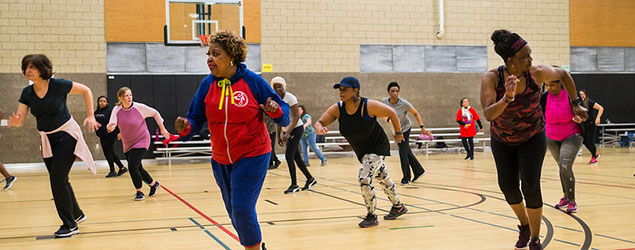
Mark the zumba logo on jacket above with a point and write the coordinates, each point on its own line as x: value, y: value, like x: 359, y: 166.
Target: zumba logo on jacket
x: 234, y: 117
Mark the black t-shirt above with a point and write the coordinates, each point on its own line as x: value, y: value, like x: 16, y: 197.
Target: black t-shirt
x: 103, y: 117
x: 591, y: 111
x: 51, y: 111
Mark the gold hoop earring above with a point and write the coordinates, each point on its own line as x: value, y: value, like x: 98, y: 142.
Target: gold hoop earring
x: 231, y: 63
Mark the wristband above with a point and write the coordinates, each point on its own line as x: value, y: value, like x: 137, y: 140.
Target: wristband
x: 507, y: 99
x: 421, y: 126
x: 398, y: 133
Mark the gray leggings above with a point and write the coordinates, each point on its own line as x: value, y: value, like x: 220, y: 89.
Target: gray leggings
x: 564, y: 152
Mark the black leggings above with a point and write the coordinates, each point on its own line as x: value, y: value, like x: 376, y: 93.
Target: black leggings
x: 137, y: 173
x: 589, y: 138
x: 274, y: 157
x: 524, y: 161
x: 468, y: 144
x: 292, y: 154
x: 59, y: 166
x: 107, y: 145
x: 408, y: 159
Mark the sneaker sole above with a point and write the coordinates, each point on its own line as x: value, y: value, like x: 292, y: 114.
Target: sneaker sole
x: 522, y: 248
x: 155, y: 189
x: 76, y: 231
x: 9, y: 185
x: 81, y: 219
x: 310, y: 185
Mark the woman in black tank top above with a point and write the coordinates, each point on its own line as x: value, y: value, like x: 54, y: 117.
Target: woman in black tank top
x: 357, y: 117
x: 511, y: 101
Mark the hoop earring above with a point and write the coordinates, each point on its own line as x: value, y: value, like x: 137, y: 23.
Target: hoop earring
x: 231, y: 63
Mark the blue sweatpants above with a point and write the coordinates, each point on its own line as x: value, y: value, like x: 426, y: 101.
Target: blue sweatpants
x: 240, y: 184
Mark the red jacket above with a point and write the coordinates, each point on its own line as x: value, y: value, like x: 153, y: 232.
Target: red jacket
x: 237, y: 129
x: 469, y: 129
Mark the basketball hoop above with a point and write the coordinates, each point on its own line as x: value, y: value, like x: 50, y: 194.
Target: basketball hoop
x: 203, y: 39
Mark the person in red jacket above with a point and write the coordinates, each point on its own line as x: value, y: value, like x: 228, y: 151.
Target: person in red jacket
x: 466, y: 118
x: 233, y: 100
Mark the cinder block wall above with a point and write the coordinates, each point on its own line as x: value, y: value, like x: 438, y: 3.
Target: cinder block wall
x: 71, y: 34
x: 324, y: 36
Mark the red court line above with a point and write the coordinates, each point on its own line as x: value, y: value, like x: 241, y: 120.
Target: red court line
x: 626, y: 249
x: 202, y: 214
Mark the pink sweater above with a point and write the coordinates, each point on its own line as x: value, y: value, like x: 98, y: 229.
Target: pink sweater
x: 558, y: 115
x: 132, y: 124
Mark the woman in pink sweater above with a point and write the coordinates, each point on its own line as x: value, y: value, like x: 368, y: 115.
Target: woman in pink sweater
x: 564, y: 138
x: 130, y: 117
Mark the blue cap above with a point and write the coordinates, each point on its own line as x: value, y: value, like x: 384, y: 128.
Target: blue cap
x: 348, y: 81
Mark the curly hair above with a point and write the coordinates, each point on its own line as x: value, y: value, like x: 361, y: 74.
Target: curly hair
x: 232, y: 43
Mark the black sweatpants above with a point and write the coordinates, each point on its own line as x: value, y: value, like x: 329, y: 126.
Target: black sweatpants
x: 468, y: 144
x: 137, y: 173
x: 292, y: 154
x: 59, y: 166
x: 522, y: 162
x: 107, y: 145
x: 274, y: 157
x: 589, y: 137
x: 408, y: 159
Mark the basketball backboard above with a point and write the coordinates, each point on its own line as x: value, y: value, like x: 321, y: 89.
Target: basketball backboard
x: 186, y: 20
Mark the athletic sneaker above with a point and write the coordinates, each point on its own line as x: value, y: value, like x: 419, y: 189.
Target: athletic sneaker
x: 262, y: 247
x: 563, y: 202
x: 597, y: 156
x: 593, y: 161
x: 64, y: 232
x: 369, y: 221
x: 405, y: 182
x: 396, y: 212
x: 10, y: 182
x: 111, y: 174
x: 153, y: 189
x: 292, y: 189
x: 122, y: 171
x: 323, y: 163
x: 572, y: 207
x: 139, y: 196
x: 534, y: 244
x: 81, y: 219
x: 309, y: 183
x: 523, y: 237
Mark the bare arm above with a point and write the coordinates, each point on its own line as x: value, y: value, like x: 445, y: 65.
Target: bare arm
x: 491, y: 107
x: 600, y: 110
x: 419, y: 121
x: 546, y: 73
x: 330, y: 115
x: 81, y: 89
x: 17, y: 119
x: 379, y: 109
x: 307, y: 123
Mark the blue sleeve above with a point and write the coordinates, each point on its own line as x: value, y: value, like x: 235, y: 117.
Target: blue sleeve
x: 261, y: 91
x: 196, y: 112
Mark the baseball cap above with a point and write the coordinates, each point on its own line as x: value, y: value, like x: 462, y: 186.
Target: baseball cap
x: 348, y: 81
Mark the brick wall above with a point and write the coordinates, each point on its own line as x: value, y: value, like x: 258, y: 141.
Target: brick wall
x: 70, y: 32
x: 324, y: 36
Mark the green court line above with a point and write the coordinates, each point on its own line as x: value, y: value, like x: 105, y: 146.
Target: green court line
x: 395, y: 228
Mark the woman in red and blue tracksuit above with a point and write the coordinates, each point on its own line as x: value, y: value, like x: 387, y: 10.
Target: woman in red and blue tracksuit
x: 233, y: 109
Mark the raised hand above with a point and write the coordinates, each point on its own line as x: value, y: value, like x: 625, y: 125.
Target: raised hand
x: 270, y: 105
x: 511, y: 83
x: 580, y: 111
x: 181, y: 124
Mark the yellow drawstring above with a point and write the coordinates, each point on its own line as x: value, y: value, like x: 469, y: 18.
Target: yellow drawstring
x: 225, y: 84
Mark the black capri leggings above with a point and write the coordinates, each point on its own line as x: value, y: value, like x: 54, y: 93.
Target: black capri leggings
x: 107, y: 145
x: 590, y: 131
x: 137, y: 173
x: 522, y: 162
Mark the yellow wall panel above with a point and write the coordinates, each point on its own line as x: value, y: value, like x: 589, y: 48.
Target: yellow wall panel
x: 602, y: 23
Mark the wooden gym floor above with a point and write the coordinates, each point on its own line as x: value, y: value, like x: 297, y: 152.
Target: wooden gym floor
x: 455, y: 205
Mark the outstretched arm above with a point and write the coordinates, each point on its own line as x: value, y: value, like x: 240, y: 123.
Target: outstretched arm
x: 330, y: 115
x: 17, y: 119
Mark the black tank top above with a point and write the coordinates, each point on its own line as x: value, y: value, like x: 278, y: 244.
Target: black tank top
x: 363, y: 132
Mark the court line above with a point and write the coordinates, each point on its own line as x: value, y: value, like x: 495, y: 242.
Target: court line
x: 210, y: 234
x: 202, y: 214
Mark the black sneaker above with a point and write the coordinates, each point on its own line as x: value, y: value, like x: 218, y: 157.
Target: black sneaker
x: 81, y: 218
x: 111, y: 174
x: 292, y: 189
x: 405, y: 182
x: 523, y: 237
x: 10, y: 182
x: 153, y: 189
x: 369, y: 221
x: 534, y: 244
x: 262, y: 247
x: 122, y: 171
x: 309, y: 183
x: 139, y: 196
x: 64, y: 232
x: 396, y: 212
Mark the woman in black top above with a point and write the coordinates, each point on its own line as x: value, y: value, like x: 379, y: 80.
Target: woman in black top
x: 102, y: 115
x: 590, y: 125
x: 357, y: 117
x: 46, y: 99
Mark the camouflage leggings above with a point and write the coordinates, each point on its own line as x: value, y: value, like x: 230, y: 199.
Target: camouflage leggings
x: 373, y: 167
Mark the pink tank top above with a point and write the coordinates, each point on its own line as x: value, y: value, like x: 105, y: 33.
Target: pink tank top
x: 558, y: 115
